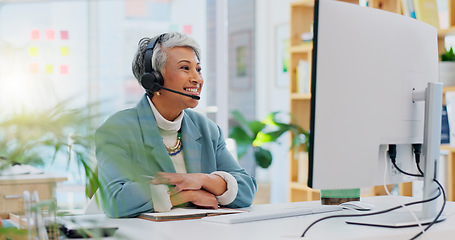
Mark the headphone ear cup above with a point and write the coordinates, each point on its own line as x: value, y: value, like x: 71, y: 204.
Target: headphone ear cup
x: 159, y: 80
x: 147, y: 81
x: 152, y: 81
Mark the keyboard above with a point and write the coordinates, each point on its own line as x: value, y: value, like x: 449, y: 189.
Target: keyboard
x: 260, y: 215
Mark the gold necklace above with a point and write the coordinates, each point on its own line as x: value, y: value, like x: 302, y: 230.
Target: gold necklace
x: 172, y: 151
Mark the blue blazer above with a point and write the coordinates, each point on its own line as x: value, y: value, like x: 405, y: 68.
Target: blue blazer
x: 129, y: 145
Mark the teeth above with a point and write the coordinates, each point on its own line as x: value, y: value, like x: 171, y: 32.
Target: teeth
x: 193, y: 90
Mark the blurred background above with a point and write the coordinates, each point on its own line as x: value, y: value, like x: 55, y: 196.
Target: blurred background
x: 80, y: 51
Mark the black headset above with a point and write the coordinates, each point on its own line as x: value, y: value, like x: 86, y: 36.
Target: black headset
x: 152, y: 80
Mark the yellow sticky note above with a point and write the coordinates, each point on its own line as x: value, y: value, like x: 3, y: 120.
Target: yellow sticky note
x: 49, y: 69
x: 64, y: 51
x: 33, y: 51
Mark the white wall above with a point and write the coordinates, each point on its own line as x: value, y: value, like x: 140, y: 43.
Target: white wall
x: 270, y: 97
x: 118, y: 36
x: 24, y: 89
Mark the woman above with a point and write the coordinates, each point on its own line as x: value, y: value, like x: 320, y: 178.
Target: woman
x: 163, y: 139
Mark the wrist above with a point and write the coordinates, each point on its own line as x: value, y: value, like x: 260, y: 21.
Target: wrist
x: 203, y: 179
x: 183, y: 197
x: 191, y: 196
x: 215, y: 184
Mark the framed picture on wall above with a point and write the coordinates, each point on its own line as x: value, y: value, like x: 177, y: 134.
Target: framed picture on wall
x: 240, y: 60
x: 282, y: 55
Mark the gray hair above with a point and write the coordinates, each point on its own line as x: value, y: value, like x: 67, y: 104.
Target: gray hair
x: 159, y: 57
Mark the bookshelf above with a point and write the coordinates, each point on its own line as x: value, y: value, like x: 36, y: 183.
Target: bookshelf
x: 442, y: 33
x: 301, y: 21
x: 450, y: 188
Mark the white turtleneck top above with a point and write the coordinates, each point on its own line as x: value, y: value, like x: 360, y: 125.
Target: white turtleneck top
x: 169, y: 131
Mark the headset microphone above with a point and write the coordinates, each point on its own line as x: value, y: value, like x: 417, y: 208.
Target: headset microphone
x: 184, y: 94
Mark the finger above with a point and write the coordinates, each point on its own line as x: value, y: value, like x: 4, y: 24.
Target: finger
x: 159, y: 181
x: 148, y: 179
x: 166, y: 178
x: 160, y: 178
x: 175, y: 190
x: 183, y: 186
x: 205, y: 199
x: 179, y: 198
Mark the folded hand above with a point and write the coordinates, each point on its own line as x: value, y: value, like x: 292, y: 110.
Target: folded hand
x: 182, y: 181
x: 200, y: 198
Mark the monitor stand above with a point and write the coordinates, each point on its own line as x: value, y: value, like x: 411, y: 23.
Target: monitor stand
x: 431, y: 152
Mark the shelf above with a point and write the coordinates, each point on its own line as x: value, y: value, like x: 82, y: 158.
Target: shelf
x: 449, y: 89
x: 301, y: 21
x: 299, y: 96
x: 301, y: 186
x: 302, y: 13
x: 447, y: 147
x: 444, y: 90
x: 446, y: 32
x: 304, y: 48
x: 304, y: 3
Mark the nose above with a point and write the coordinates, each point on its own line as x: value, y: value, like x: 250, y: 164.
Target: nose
x: 196, y: 77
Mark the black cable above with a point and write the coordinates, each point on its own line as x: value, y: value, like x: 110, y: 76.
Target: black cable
x: 406, y: 173
x: 392, y: 154
x: 393, y: 157
x: 440, y: 212
x: 417, y: 150
x: 420, y: 170
x: 371, y: 214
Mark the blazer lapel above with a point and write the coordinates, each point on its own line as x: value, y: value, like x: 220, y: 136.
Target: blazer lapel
x: 152, y: 138
x: 191, y: 146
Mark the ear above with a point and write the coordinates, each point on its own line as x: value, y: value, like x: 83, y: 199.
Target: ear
x: 152, y: 81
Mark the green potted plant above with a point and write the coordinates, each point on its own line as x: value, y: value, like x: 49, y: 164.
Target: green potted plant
x: 447, y: 68
x: 37, y: 138
x: 30, y: 137
x: 448, y: 55
x: 253, y: 134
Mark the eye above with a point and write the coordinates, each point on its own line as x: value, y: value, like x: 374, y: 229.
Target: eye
x: 185, y: 68
x: 199, y: 70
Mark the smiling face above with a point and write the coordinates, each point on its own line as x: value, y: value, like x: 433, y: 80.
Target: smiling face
x: 181, y: 73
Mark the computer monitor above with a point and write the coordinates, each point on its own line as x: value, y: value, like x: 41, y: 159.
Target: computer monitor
x: 370, y: 67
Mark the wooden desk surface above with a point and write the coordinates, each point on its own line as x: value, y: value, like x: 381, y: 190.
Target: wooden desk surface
x: 32, y: 178
x: 13, y: 186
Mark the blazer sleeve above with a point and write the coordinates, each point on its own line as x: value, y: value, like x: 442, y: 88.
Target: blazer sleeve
x: 246, y: 184
x: 126, y: 195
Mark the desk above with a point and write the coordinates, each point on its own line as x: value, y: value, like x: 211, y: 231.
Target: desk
x: 285, y: 228
x: 15, y: 185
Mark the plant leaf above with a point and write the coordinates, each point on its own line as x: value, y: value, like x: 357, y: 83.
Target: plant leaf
x: 243, y: 140
x: 256, y: 127
x: 448, y: 55
x: 263, y: 157
x: 243, y: 122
